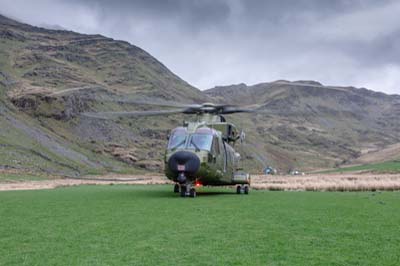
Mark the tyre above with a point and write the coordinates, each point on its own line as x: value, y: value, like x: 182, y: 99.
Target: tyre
x: 192, y: 193
x: 246, y: 190
x: 183, y: 191
x: 238, y: 190
x: 176, y: 188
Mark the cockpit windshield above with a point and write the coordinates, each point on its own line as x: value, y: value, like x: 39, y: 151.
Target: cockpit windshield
x: 200, y: 142
x: 202, y: 139
x: 177, y: 139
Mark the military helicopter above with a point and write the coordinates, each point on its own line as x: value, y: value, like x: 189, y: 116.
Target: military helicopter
x: 200, y: 152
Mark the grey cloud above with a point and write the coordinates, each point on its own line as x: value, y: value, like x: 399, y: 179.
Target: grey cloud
x: 217, y: 42
x: 193, y: 15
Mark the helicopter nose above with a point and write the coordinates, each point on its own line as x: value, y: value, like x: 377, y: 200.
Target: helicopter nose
x: 184, y: 161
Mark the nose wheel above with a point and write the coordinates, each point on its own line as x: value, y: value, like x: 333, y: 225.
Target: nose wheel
x: 192, y: 193
x: 242, y: 189
x: 186, y: 191
x: 183, y: 191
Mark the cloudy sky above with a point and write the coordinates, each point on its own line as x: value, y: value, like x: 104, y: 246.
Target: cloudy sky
x: 221, y: 42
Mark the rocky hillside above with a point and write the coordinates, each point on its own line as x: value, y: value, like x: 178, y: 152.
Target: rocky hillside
x: 306, y: 125
x: 52, y: 60
x: 49, y: 77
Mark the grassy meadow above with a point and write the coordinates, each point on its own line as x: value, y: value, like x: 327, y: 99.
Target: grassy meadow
x: 383, y: 167
x: 149, y: 225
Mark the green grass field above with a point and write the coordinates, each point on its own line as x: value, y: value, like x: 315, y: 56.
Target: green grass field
x: 149, y: 225
x: 384, y: 167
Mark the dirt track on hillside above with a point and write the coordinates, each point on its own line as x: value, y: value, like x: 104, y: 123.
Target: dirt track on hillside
x: 331, y: 182
x: 389, y: 153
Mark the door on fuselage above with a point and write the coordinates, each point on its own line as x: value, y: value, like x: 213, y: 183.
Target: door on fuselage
x: 230, y: 160
x: 224, y: 156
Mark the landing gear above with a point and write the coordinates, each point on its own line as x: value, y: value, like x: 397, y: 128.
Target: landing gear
x: 240, y: 189
x: 184, y: 186
x: 192, y: 193
x: 187, y: 190
x: 183, y: 191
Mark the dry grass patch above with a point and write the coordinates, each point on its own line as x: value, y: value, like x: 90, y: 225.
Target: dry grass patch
x: 329, y: 182
x: 87, y: 180
x: 315, y: 182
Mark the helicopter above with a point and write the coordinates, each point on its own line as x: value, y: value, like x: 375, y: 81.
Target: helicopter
x: 200, y: 152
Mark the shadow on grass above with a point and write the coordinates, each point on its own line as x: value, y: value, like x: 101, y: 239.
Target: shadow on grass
x: 215, y: 193
x: 126, y: 191
x: 171, y: 194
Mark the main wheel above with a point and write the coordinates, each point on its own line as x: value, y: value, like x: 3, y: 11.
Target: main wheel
x: 183, y: 191
x: 246, y: 189
x: 192, y: 193
x: 238, y: 190
x: 176, y: 188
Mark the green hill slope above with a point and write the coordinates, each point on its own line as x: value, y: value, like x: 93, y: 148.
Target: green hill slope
x: 48, y: 77
x: 307, y: 125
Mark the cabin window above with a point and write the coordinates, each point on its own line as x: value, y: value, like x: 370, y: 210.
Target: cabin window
x: 200, y: 142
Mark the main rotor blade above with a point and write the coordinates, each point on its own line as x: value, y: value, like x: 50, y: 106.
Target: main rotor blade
x: 149, y: 102
x: 104, y: 95
x: 233, y: 110
x: 111, y: 115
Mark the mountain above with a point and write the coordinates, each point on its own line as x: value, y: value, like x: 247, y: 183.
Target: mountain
x: 52, y: 60
x: 48, y: 78
x: 306, y: 125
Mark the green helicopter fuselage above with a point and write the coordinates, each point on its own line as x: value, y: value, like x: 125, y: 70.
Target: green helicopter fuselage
x: 202, y: 153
